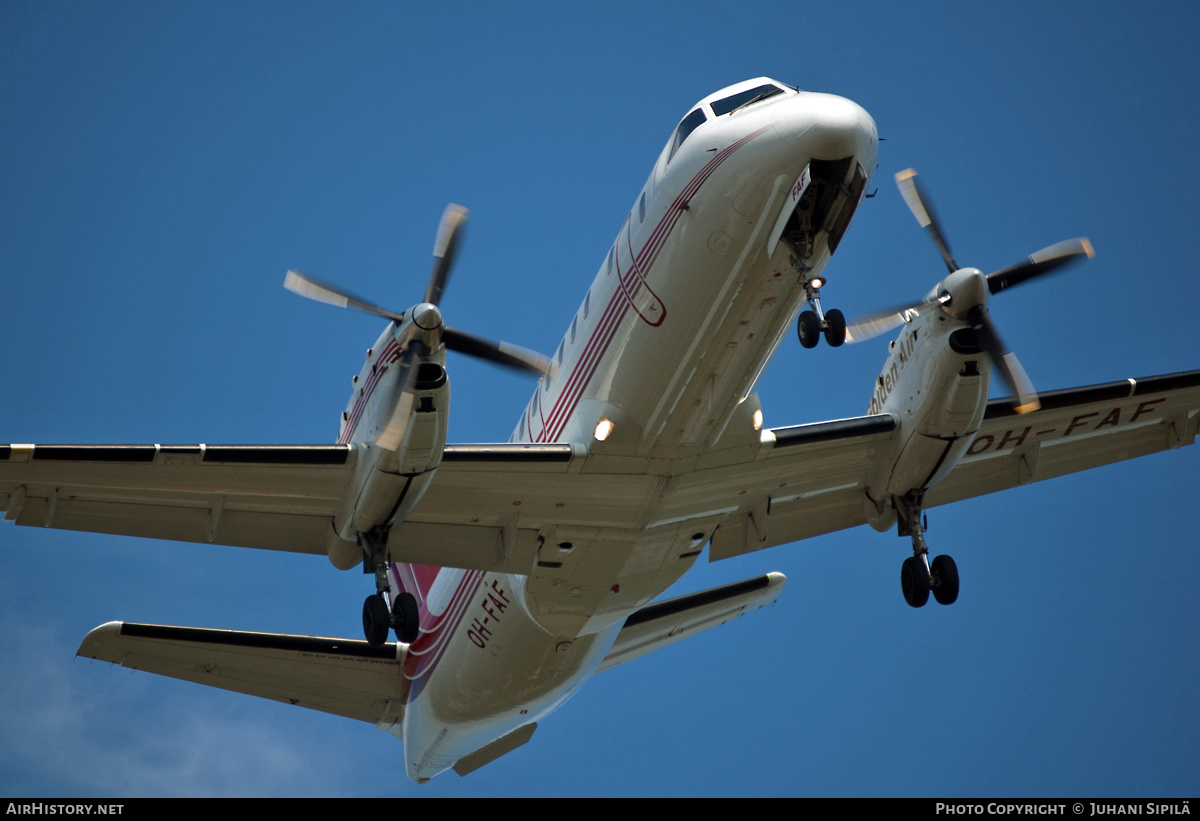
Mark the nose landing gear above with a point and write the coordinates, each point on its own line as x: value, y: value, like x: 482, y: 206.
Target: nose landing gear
x: 811, y: 325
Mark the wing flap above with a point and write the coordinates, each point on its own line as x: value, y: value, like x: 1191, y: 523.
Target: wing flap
x: 666, y: 622
x: 239, y: 528
x: 807, y: 480
x: 345, y: 677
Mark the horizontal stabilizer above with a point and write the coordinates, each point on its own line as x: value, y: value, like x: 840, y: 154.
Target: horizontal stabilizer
x: 345, y: 677
x: 657, y: 625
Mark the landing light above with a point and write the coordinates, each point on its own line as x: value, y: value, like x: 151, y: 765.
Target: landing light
x: 603, y: 429
x: 758, y: 419
x: 817, y: 282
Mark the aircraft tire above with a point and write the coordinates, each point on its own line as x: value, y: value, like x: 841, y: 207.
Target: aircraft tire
x: 375, y: 620
x: 835, y: 328
x: 914, y: 581
x: 808, y: 327
x: 406, y: 618
x: 945, y: 580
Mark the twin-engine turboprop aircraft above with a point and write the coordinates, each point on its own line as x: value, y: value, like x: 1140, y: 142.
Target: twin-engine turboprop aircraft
x: 510, y: 573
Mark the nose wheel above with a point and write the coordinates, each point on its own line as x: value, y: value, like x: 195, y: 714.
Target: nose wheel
x: 811, y: 325
x: 918, y: 576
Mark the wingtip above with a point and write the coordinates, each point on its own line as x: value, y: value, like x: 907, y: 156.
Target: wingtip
x: 100, y: 643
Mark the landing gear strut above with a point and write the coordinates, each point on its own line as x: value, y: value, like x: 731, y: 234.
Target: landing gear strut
x: 404, y: 617
x: 811, y: 325
x: 918, y: 577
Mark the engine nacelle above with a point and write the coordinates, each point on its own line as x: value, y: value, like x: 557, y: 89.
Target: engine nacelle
x: 935, y: 382
x: 388, y: 483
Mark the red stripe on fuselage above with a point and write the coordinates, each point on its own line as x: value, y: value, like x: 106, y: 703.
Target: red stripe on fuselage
x: 593, y: 352
x: 597, y: 346
x: 390, y: 353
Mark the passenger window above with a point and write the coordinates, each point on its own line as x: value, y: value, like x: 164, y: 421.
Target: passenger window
x: 642, y: 208
x: 587, y: 302
x: 574, y: 322
x: 689, y: 124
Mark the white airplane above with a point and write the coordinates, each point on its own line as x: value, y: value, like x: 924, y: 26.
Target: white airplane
x: 511, y: 573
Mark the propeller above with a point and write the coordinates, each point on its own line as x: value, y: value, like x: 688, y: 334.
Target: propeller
x: 427, y: 316
x: 964, y: 293
x: 918, y: 202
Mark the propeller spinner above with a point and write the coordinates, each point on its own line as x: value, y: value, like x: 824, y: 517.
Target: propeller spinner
x: 964, y: 293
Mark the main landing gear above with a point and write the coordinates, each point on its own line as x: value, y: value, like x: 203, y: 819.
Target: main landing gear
x: 918, y: 576
x: 404, y: 616
x: 811, y: 325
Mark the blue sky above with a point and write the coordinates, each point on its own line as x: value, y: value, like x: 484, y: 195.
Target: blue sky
x: 163, y: 164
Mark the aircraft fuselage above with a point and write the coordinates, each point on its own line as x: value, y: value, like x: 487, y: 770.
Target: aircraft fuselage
x: 675, y: 329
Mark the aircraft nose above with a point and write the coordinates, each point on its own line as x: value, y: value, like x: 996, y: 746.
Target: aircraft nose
x: 828, y: 127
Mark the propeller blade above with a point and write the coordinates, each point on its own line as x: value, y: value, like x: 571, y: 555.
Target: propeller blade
x: 919, y: 203
x: 1042, y: 262
x: 502, y: 353
x: 1006, y: 362
x: 444, y: 248
x: 872, y: 325
x: 391, y: 436
x: 880, y: 322
x: 449, y: 236
x: 330, y: 294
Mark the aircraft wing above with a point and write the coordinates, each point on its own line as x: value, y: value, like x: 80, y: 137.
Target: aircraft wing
x: 278, y: 497
x: 345, y: 677
x: 489, y: 503
x: 1075, y: 430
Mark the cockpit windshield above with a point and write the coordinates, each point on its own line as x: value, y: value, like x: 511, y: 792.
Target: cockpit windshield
x: 751, y: 95
x: 689, y: 124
